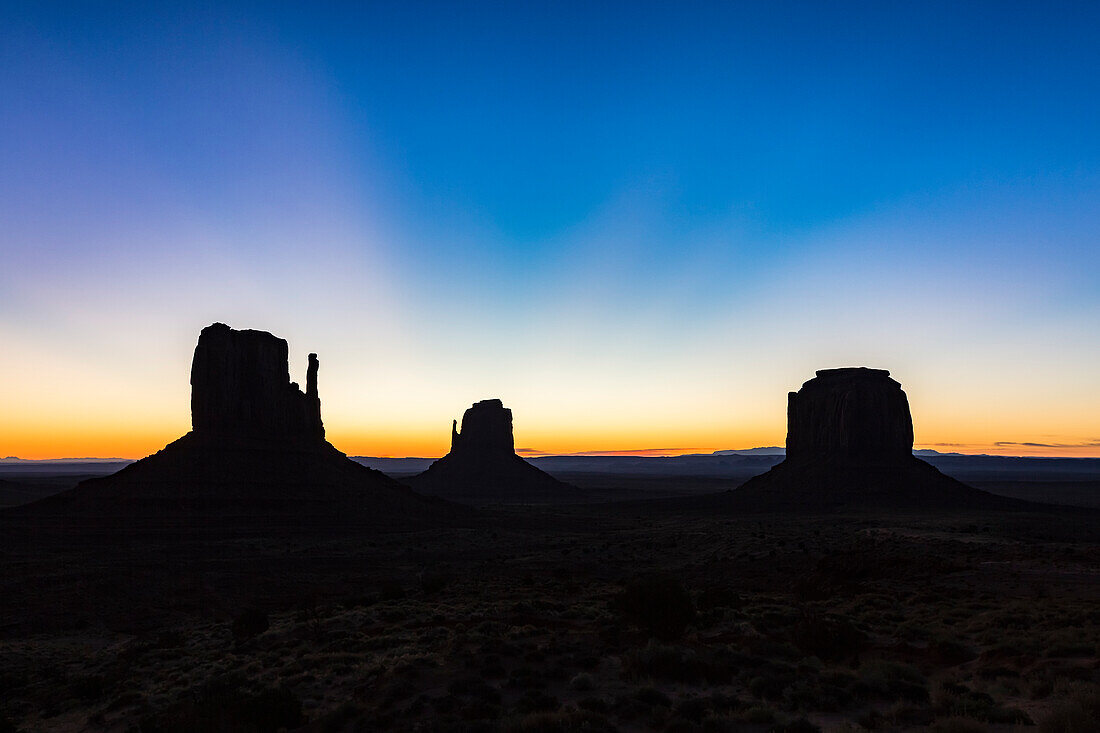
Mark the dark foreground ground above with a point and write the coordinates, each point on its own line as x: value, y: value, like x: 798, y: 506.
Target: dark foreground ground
x: 578, y: 618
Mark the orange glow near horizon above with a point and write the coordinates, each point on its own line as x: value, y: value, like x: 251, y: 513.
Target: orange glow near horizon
x: 40, y: 442
x: 61, y: 416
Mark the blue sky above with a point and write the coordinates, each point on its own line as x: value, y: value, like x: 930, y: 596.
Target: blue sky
x: 663, y: 214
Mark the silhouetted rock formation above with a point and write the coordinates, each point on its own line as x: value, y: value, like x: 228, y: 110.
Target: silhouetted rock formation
x: 257, y: 450
x: 853, y: 413
x: 240, y: 386
x: 483, y: 468
x: 850, y: 446
x: 486, y: 431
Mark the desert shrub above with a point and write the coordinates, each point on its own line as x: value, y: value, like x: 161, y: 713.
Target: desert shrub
x: 772, y: 618
x: 765, y: 648
x: 693, y: 709
x: 696, y: 710
x: 478, y: 710
x: 1079, y: 711
x: 87, y: 687
x: 581, y: 682
x: 801, y: 725
x: 906, y: 715
x: 249, y: 625
x: 527, y: 678
x: 891, y: 681
x: 957, y: 700
x: 757, y: 715
x: 871, y: 720
x: 678, y: 664
x: 813, y: 692
x: 830, y: 638
x: 720, y: 724
x: 1017, y: 619
x: 718, y: 596
x: 534, y: 701
x: 1068, y: 716
x: 11, y: 680
x: 475, y: 688
x: 997, y: 672
x: 563, y: 721
x: 653, y: 697
x: 1067, y: 644
x: 950, y: 652
x: 657, y: 603
x: 433, y: 582
x: 813, y: 586
x: 584, y: 661
x: 391, y: 589
x: 220, y: 706
x: 772, y: 680
x: 595, y: 704
x: 628, y: 707
x: 340, y: 718
x: 679, y: 725
x: 171, y: 639
x: 493, y: 669
x: 126, y: 699
x: 863, y: 562
x: 957, y: 725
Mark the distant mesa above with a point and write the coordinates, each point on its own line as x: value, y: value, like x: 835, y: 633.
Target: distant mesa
x: 256, y: 450
x: 850, y: 445
x: 483, y: 468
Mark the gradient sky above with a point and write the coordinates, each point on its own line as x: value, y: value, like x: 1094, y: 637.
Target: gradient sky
x: 639, y: 224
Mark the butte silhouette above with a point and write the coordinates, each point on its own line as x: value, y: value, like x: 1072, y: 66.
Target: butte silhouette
x: 256, y: 450
x: 483, y: 468
x: 850, y: 446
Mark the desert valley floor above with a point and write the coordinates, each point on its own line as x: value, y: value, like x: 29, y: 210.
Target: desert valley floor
x: 615, y: 616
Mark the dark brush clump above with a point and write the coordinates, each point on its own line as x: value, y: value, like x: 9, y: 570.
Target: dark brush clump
x: 249, y: 625
x: 657, y: 603
x: 223, y: 705
x: 829, y: 638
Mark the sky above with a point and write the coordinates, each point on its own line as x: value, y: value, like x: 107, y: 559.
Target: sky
x: 638, y: 224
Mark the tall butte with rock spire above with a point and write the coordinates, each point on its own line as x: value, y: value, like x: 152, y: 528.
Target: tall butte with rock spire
x: 483, y: 468
x: 241, y: 388
x: 850, y: 445
x: 256, y: 450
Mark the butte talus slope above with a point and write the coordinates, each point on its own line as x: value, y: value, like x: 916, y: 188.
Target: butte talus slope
x: 482, y: 466
x: 256, y: 450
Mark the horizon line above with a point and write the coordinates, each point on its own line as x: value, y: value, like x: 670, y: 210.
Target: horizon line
x: 533, y: 453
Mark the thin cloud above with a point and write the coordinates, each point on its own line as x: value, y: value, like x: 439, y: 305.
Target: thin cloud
x: 634, y: 452
x: 1086, y: 444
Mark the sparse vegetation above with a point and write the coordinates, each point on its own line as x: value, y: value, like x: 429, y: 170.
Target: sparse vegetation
x: 249, y: 625
x: 720, y: 640
x: 658, y: 603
